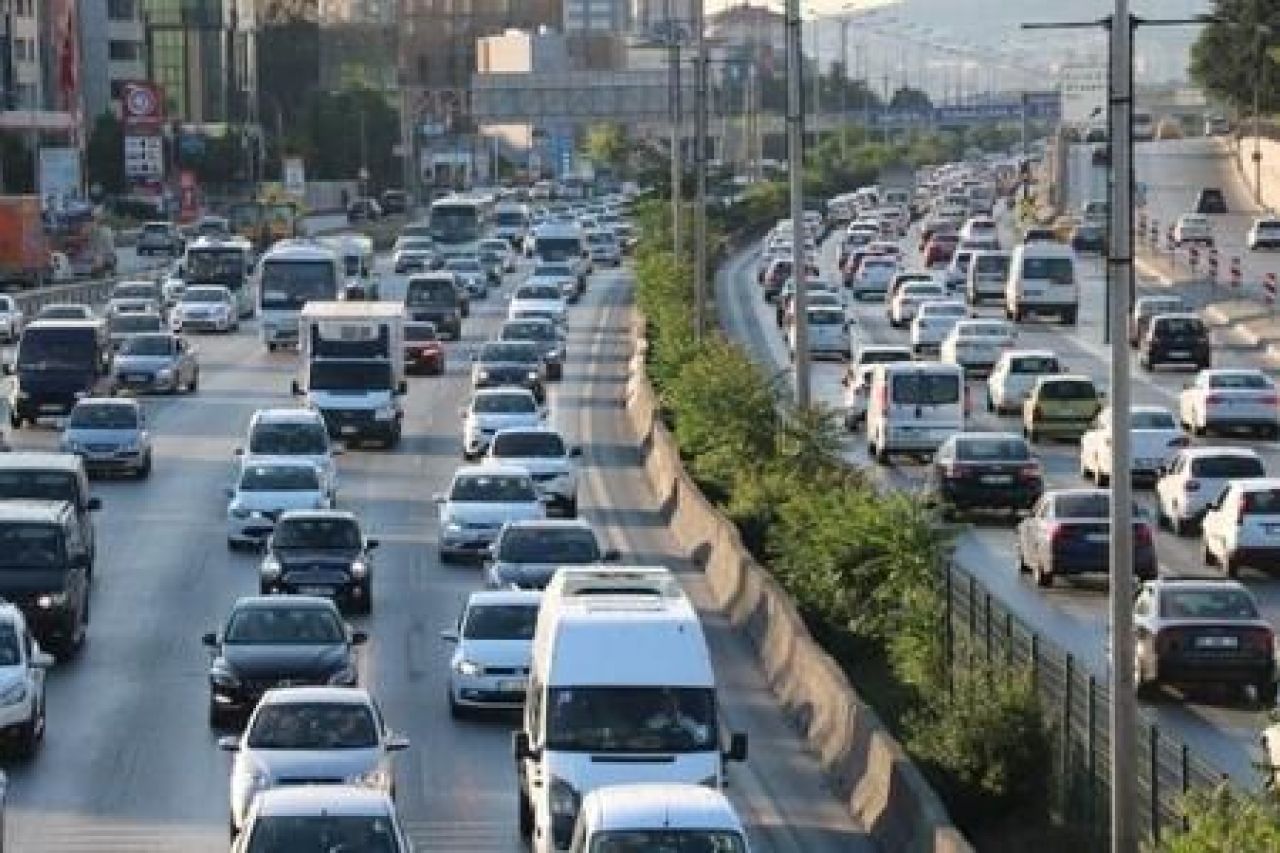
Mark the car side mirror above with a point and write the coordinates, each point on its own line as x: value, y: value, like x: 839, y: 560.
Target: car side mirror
x: 359, y: 638
x: 449, y: 636
x: 371, y: 544
x: 396, y: 743
x: 93, y: 504
x: 42, y: 660
x: 575, y: 451
x: 229, y: 743
x: 337, y: 450
x: 210, y: 639
x: 612, y: 555
x: 402, y: 387
x: 239, y: 451
x: 295, y: 388
x: 521, y: 747
x: 737, y: 747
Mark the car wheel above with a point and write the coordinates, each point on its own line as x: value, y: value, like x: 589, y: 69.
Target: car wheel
x: 1043, y: 578
x: 1144, y: 688
x: 1101, y: 479
x: 991, y: 404
x: 1179, y: 525
x: 446, y: 558
x: 218, y: 719
x: 271, y: 347
x: 1266, y: 692
x: 1023, y: 568
x: 1031, y: 434
x: 1206, y: 556
x: 194, y: 384
x: 1230, y: 566
x: 364, y: 604
x: 145, y: 470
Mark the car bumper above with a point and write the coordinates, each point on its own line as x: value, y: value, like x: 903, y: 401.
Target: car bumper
x: 15, y: 716
x: 52, y: 626
x: 966, y: 494
x: 488, y: 691
x: 1096, y: 560
x: 1179, y: 356
x: 1061, y: 427
x: 204, y: 324
x: 115, y: 461
x: 1265, y: 557
x: 280, y: 335
x: 144, y: 382
x: 345, y: 593
x: 468, y: 543
x: 1213, y: 669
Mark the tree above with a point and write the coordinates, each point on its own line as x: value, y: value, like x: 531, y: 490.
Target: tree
x: 104, y: 154
x: 607, y: 145
x: 1233, y: 54
x: 907, y: 98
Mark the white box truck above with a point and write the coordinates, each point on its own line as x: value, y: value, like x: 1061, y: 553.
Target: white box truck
x: 351, y: 368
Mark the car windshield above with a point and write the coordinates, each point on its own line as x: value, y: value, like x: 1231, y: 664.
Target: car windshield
x: 148, y: 345
x: 285, y: 439
x: 284, y: 626
x: 552, y: 270
x: 56, y: 348
x: 204, y: 294
x: 509, y: 351
x: 288, y: 284
x: 1249, y: 381
x: 504, y: 404
x: 134, y: 291
x: 922, y: 389
x: 528, y: 330
x: 323, y: 833
x: 420, y: 332
x: 215, y: 265
x: 1068, y: 391
x: 1034, y: 364
x: 103, y: 416
x: 538, y: 291
x: 425, y: 292
x: 279, y: 478
x: 327, y: 375
x: 527, y: 444
x: 943, y: 311
x: 1053, y: 270
x: 984, y: 330
x: 631, y: 719
x: 826, y: 318
x: 1207, y: 604
x: 317, y: 533
x: 38, y: 485
x: 10, y: 650
x: 416, y: 245
x: 1152, y: 420
x: 883, y: 356
x: 313, y: 725
x: 1227, y: 467
x: 1091, y: 505
x: 983, y: 449
x: 1152, y: 307
x: 1180, y: 326
x: 30, y: 546
x: 132, y: 323
x: 500, y: 621
x: 667, y: 841
x: 564, y: 546
x: 1261, y: 502
x: 493, y: 488
x: 991, y: 265
x: 463, y: 265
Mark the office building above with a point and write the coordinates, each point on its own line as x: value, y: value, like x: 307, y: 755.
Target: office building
x: 112, y: 52
x: 203, y: 53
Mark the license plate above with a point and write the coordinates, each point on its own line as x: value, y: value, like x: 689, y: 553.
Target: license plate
x: 139, y: 378
x: 1217, y: 642
x: 512, y: 686
x: 1179, y: 353
x: 315, y: 590
x: 1272, y: 529
x: 348, y: 430
x: 997, y: 478
x: 51, y: 407
x: 1098, y: 537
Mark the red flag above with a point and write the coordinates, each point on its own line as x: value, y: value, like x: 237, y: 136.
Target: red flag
x: 66, y: 37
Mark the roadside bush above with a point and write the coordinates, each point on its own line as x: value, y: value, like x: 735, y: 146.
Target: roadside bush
x: 1223, y: 821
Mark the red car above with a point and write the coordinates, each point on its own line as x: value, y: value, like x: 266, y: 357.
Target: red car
x: 423, y: 352
x: 940, y: 249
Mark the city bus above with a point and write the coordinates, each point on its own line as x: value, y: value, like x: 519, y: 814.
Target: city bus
x: 457, y: 223
x: 225, y: 261
x: 291, y: 274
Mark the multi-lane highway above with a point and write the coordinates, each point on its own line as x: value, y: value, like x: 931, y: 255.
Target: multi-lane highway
x: 1222, y: 730
x: 129, y: 763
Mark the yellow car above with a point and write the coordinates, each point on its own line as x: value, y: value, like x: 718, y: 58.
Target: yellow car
x: 1060, y: 406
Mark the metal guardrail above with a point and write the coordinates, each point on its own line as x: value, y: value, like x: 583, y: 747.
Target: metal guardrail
x: 1076, y: 705
x: 89, y: 292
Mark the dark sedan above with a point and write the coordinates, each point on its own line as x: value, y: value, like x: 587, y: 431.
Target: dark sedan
x: 1069, y: 533
x: 985, y: 471
x: 277, y: 641
x: 511, y: 363
x: 320, y: 552
x: 1089, y: 237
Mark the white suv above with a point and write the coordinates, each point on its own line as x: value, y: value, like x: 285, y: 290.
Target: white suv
x: 1242, y: 526
x: 1197, y: 475
x: 22, y: 670
x: 541, y: 451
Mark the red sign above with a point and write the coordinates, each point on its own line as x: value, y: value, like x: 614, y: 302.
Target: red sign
x: 142, y: 103
x: 188, y: 196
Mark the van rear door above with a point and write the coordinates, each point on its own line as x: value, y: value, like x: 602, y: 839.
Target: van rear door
x: 925, y: 406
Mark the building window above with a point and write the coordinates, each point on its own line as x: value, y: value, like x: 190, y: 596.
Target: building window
x: 123, y: 51
x: 26, y: 93
x: 122, y: 10
x: 24, y: 8
x: 24, y: 50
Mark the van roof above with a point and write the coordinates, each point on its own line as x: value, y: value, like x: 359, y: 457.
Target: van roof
x: 655, y: 806
x: 622, y: 640
x: 578, y: 581
x: 358, y: 310
x: 35, y: 460
x: 1047, y: 249
x: 896, y: 367
x: 299, y: 250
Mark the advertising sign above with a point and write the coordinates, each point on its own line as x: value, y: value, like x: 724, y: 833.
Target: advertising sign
x: 1084, y: 94
x: 144, y: 158
x: 142, y: 106
x: 188, y: 196
x: 59, y: 177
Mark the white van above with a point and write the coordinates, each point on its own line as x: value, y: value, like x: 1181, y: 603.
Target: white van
x: 621, y: 691
x: 828, y: 333
x: 985, y: 279
x: 658, y: 817
x: 913, y: 407
x: 1042, y: 280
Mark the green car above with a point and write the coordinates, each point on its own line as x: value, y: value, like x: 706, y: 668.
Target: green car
x: 1060, y: 406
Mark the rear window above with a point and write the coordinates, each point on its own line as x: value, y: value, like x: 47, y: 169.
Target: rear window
x: 1208, y: 604
x: 1083, y: 506
x: 1180, y: 326
x: 991, y: 265
x: 979, y: 449
x: 1054, y: 270
x: 922, y: 389
x: 1249, y: 381
x: 1034, y: 364
x: 1068, y: 391
x: 1261, y: 502
x: 1227, y: 467
x: 1152, y: 420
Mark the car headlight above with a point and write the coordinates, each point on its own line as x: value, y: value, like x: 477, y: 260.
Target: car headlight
x: 533, y: 374
x: 359, y: 569
x: 50, y: 600
x: 564, y: 800
x: 482, y: 374
x: 237, y: 511
x: 164, y: 374
x: 345, y: 677
x: 468, y: 668
x: 376, y: 779
x: 385, y: 413
x: 14, y: 693
x: 223, y: 677
x: 271, y: 569
x: 453, y: 527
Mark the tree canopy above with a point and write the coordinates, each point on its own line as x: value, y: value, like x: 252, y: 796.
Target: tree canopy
x: 1238, y: 52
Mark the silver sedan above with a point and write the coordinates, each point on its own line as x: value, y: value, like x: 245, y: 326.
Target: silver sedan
x: 155, y: 361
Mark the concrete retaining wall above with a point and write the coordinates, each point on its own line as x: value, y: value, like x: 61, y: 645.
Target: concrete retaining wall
x: 881, y: 788
x: 1270, y: 149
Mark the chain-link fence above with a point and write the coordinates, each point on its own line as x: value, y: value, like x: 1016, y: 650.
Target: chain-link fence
x: 981, y: 631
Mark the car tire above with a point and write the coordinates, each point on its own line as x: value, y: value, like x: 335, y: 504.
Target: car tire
x: 1206, y: 556
x: 1043, y: 579
x: 1144, y: 687
x: 1266, y: 692
x: 1100, y: 479
x: 1230, y: 566
x: 446, y: 558
x: 1069, y: 317
x: 271, y: 347
x: 194, y: 384
x: 363, y: 605
x: 218, y: 719
x: 1178, y: 525
x: 525, y: 817
x: 30, y: 734
x: 145, y: 470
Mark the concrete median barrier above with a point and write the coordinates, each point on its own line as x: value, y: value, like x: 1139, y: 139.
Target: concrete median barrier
x: 866, y: 767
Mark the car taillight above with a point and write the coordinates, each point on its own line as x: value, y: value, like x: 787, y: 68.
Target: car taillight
x: 1059, y: 533
x: 1169, y: 640
x: 1267, y: 399
x: 1141, y: 534
x: 882, y: 398
x: 1257, y: 639
x: 1191, y: 486
x: 1029, y: 472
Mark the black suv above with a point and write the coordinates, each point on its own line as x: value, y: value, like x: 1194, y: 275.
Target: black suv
x: 437, y: 298
x: 1175, y: 339
x: 44, y: 570
x: 320, y: 552
x: 33, y: 475
x: 277, y: 641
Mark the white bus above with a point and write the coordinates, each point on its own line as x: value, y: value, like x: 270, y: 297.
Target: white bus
x: 291, y: 274
x: 457, y: 223
x: 226, y: 261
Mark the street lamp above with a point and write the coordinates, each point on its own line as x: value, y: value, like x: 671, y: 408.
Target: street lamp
x: 1259, y: 81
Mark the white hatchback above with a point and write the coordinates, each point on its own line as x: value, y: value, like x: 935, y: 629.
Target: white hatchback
x: 493, y: 644
x: 1195, y: 477
x: 933, y: 322
x: 976, y: 345
x: 908, y: 300
x: 1230, y: 399
x: 1154, y: 437
x: 1014, y: 375
x: 266, y: 489
x: 1242, y: 526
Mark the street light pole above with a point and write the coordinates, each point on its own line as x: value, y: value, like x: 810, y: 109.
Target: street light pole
x: 700, y: 170
x: 844, y: 87
x: 676, y: 169
x: 795, y: 171
x: 1257, y: 114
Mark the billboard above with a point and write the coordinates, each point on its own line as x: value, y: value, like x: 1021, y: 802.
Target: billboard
x: 1084, y: 94
x: 58, y: 177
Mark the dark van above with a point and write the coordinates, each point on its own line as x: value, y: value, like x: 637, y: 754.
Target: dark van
x: 44, y: 571
x: 58, y: 362
x: 435, y: 298
x: 51, y: 477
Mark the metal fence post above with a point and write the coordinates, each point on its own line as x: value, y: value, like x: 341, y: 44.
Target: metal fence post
x: 1153, y: 768
x: 1068, y: 680
x: 1091, y: 809
x: 950, y: 635
x: 1184, y: 755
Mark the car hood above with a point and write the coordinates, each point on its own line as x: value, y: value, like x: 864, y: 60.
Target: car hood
x: 508, y: 653
x: 276, y: 501
x: 101, y: 436
x: 272, y: 661
x: 125, y: 363
x: 283, y: 765
x: 518, y: 305
x: 484, y: 512
x: 502, y: 421
x: 539, y: 464
x: 201, y: 307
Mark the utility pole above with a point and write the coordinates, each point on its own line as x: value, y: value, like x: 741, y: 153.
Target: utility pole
x: 1260, y: 63
x: 673, y: 33
x: 700, y: 170
x: 795, y: 171
x: 844, y: 86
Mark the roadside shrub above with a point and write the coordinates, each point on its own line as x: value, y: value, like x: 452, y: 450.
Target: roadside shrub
x: 1223, y: 821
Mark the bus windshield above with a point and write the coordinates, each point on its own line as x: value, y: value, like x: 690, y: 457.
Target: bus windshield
x: 216, y: 266
x: 291, y: 284
x: 455, y: 223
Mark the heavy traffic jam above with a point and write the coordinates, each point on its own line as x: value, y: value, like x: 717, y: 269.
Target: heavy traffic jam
x: 611, y: 751
x: 964, y: 371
